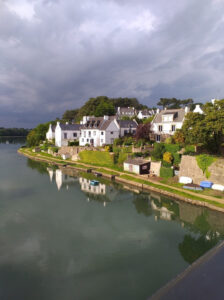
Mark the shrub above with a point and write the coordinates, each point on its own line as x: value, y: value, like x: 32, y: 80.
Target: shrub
x: 121, y: 158
x: 158, y: 151
x: 189, y: 149
x: 168, y: 157
x: 178, y: 137
x: 172, y: 148
x: 166, y: 164
x: 54, y: 149
x: 166, y: 172
x: 118, y: 142
x: 176, y: 159
x: 169, y: 140
x: 204, y: 161
x: 128, y: 141
x: 108, y: 148
x: 75, y: 143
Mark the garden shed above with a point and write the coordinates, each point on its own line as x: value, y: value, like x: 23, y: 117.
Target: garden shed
x: 137, y: 165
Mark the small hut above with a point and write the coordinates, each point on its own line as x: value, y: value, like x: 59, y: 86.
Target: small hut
x: 137, y: 165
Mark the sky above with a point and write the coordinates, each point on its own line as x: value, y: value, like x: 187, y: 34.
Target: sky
x: 56, y: 54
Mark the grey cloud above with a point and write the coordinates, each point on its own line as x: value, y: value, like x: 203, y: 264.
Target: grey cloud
x: 70, y: 51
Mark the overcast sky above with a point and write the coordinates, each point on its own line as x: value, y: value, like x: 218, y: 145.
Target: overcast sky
x: 56, y: 54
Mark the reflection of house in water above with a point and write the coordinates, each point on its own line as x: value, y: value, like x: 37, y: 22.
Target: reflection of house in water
x: 61, y: 178
x: 51, y: 173
x: 157, y: 205
x: 99, y: 189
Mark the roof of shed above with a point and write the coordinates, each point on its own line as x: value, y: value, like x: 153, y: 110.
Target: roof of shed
x: 136, y: 161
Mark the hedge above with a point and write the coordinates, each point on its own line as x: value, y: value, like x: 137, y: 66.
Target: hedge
x: 166, y: 172
x: 176, y: 159
x: 172, y: 148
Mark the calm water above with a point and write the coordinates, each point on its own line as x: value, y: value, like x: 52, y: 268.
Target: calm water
x: 60, y: 238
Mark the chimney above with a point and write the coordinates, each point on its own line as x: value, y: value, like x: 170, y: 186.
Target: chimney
x: 158, y: 111
x: 106, y: 117
x: 213, y: 101
x: 186, y: 109
x: 58, y: 123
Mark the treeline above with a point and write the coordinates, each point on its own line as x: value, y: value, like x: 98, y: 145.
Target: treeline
x: 13, y: 131
x: 173, y: 103
x: 100, y: 106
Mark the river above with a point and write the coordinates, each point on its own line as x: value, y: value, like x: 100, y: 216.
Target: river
x: 61, y: 238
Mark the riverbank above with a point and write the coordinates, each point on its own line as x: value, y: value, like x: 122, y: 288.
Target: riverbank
x: 129, y: 179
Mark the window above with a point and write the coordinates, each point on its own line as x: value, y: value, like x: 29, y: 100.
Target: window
x: 160, y: 128
x: 101, y: 140
x: 82, y: 140
x: 102, y: 133
x: 133, y: 131
x: 75, y: 134
x: 65, y: 135
x: 84, y: 133
x: 94, y: 132
x: 173, y: 127
x: 87, y: 140
x: 125, y: 132
x: 158, y: 138
x: 89, y: 133
x: 111, y: 132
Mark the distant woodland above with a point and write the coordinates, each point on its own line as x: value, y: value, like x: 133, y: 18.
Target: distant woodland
x: 13, y: 131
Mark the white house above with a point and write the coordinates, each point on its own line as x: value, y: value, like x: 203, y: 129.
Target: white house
x: 198, y: 109
x: 126, y: 112
x: 99, y: 131
x: 167, y: 121
x: 145, y: 114
x: 65, y: 133
x: 50, y: 135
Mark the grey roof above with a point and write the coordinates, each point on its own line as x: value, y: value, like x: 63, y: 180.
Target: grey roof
x: 123, y: 110
x: 127, y: 124
x: 178, y: 115
x: 136, y: 161
x: 71, y: 127
x: 98, y: 123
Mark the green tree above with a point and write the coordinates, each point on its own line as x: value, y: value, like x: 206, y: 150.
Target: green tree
x: 70, y: 115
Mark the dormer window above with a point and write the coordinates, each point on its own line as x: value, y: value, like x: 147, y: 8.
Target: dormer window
x: 168, y: 117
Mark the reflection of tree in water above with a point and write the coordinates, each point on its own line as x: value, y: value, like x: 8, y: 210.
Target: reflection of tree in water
x: 193, y: 247
x: 142, y: 205
x: 171, y: 206
x: 12, y: 140
x: 39, y: 166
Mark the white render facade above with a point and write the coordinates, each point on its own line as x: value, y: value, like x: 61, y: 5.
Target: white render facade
x: 65, y: 133
x: 103, y: 130
x: 105, y: 133
x: 167, y: 122
x: 50, y: 135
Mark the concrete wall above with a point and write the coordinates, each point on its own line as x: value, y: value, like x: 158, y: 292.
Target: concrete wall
x: 189, y: 168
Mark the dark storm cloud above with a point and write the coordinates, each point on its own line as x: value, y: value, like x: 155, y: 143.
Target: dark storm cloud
x: 57, y: 54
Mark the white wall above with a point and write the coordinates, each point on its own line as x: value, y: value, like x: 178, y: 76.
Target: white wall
x: 135, y: 168
x: 167, y: 127
x: 60, y: 139
x: 50, y: 135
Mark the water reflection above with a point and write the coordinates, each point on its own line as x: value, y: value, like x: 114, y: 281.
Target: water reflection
x: 148, y: 229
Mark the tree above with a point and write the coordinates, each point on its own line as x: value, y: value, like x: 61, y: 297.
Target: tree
x: 70, y: 115
x: 143, y: 131
x: 207, y: 128
x: 178, y: 137
x: 173, y: 103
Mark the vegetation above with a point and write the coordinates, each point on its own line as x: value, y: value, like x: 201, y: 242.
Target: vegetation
x: 143, y: 131
x: 204, y: 161
x: 173, y: 103
x: 38, y: 134
x: 157, y: 153
x: 207, y: 128
x: 166, y: 172
x: 98, y: 157
x: 168, y: 157
x: 13, y: 132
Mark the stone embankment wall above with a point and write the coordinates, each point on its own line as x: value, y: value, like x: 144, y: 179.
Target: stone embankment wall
x: 74, y: 151
x: 190, y: 168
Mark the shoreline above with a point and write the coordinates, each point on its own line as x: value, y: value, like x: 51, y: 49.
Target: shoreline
x: 131, y: 181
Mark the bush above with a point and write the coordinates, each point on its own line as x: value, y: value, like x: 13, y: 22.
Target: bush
x: 169, y: 140
x: 168, y: 157
x: 172, y: 148
x: 157, y: 153
x: 166, y: 164
x: 176, y: 159
x: 166, y: 172
x: 118, y: 142
x: 128, y: 141
x: 108, y: 148
x: 75, y: 143
x: 189, y: 149
x: 121, y: 158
